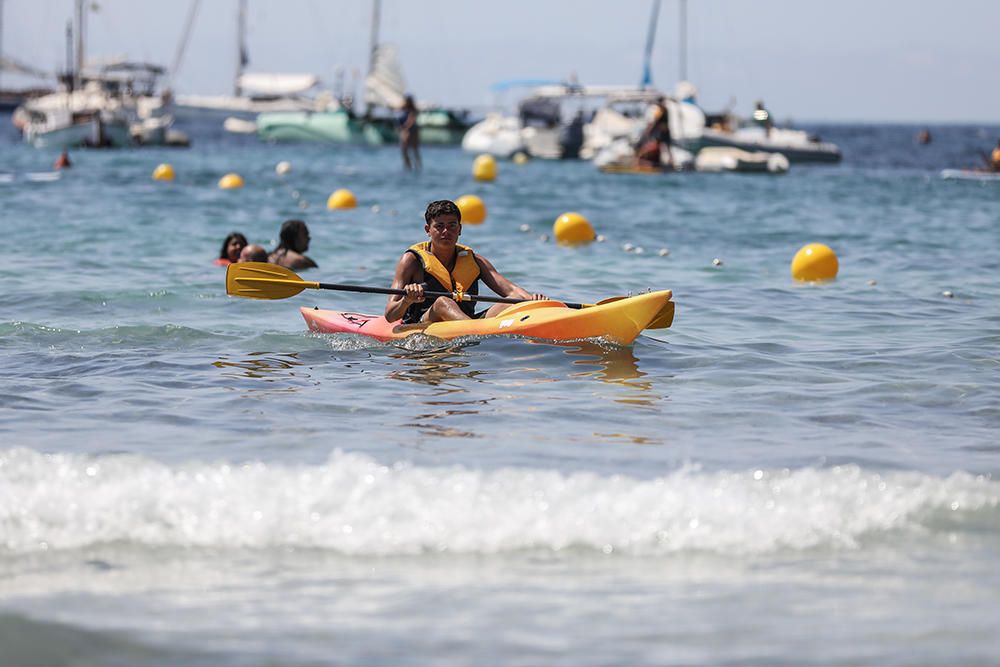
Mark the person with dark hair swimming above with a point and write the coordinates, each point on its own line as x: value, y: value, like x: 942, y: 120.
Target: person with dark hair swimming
x: 293, y: 242
x: 442, y: 265
x: 231, y: 248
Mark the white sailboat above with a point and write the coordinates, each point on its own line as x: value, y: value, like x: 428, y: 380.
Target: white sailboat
x: 256, y: 92
x: 82, y: 114
x: 384, y: 94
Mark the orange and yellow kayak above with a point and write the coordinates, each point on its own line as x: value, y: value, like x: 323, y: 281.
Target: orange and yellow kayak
x: 619, y: 321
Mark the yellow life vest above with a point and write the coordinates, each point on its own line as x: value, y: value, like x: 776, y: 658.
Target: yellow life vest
x: 464, y: 277
x: 996, y: 158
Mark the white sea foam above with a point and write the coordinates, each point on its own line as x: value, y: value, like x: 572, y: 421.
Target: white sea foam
x: 354, y: 505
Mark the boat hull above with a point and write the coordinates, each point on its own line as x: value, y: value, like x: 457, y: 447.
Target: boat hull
x: 334, y: 127
x: 809, y: 152
x: 338, y: 127
x: 618, y: 321
x: 88, y: 133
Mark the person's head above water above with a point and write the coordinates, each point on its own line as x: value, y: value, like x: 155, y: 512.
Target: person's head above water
x: 409, y: 104
x: 232, y: 246
x: 294, y: 235
x: 253, y: 253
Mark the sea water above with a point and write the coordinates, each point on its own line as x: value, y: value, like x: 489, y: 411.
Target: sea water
x: 791, y: 474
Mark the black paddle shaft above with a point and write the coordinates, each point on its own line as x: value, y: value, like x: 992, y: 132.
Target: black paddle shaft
x: 399, y: 292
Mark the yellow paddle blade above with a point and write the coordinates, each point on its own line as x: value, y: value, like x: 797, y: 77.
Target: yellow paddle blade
x: 260, y: 280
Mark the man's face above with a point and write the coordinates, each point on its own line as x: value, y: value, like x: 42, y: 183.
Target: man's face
x: 444, y: 229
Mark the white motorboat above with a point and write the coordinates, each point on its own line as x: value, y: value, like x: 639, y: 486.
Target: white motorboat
x: 565, y: 121
x: 796, y: 145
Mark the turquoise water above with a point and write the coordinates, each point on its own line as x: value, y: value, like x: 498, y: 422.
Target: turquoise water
x: 790, y: 474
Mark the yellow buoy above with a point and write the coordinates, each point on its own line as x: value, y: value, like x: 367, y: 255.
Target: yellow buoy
x: 484, y: 168
x: 473, y: 209
x: 163, y: 172
x: 519, y: 158
x: 572, y: 228
x: 231, y: 181
x: 342, y: 199
x: 283, y: 168
x: 815, y: 261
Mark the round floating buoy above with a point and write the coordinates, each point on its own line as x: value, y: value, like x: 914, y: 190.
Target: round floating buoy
x: 342, y: 199
x: 814, y: 262
x: 163, y: 172
x: 231, y: 182
x: 519, y: 158
x: 484, y: 168
x: 572, y: 228
x: 473, y: 209
x: 283, y: 168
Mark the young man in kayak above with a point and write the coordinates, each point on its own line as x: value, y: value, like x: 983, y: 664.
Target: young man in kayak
x: 445, y: 266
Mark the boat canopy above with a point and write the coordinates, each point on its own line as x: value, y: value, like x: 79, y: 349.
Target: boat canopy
x: 277, y: 84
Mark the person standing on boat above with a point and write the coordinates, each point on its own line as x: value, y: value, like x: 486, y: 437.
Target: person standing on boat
x: 656, y: 137
x: 409, y: 134
x: 762, y: 118
x: 442, y: 265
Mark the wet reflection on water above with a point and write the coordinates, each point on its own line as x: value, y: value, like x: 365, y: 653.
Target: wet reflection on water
x: 265, y: 366
x: 614, y: 365
x: 441, y: 368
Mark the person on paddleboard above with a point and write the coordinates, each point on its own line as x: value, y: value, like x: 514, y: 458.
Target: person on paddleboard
x: 443, y: 265
x: 294, y: 241
x: 409, y: 135
x: 656, y: 137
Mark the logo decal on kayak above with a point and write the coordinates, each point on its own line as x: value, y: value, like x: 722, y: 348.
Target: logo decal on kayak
x: 357, y: 319
x: 505, y: 323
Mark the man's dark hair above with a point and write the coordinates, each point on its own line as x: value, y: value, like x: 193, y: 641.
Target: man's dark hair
x: 441, y: 207
x: 289, y: 233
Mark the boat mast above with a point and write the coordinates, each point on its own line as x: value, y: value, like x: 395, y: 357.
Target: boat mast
x: 182, y: 45
x: 373, y: 43
x: 241, y: 44
x: 683, y: 59
x: 1, y: 40
x: 78, y: 69
x: 647, y: 72
x: 372, y: 51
